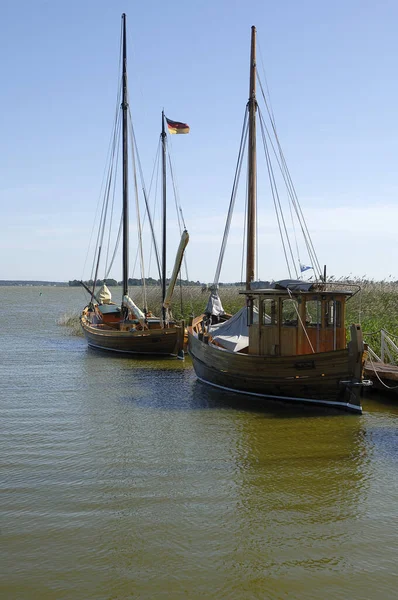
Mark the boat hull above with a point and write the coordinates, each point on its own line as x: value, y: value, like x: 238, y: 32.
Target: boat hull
x: 162, y: 341
x: 324, y: 378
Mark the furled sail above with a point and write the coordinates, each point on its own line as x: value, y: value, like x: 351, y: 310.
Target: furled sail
x: 131, y: 305
x: 177, y: 266
x: 214, y: 306
x: 104, y: 295
x: 234, y: 334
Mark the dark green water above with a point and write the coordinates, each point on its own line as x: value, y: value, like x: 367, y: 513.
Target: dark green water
x: 129, y: 479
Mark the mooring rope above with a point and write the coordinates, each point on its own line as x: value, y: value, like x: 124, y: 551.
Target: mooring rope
x: 389, y: 387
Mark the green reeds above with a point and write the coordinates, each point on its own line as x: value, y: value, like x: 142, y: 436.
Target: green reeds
x: 374, y: 307
x: 71, y: 321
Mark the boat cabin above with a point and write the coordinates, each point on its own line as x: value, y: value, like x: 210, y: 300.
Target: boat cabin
x: 110, y: 313
x: 285, y: 322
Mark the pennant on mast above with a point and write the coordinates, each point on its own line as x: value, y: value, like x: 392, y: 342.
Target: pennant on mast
x: 304, y: 267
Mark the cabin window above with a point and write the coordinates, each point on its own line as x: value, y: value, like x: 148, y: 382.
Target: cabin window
x: 269, y: 312
x: 333, y: 313
x: 289, y: 313
x: 313, y: 313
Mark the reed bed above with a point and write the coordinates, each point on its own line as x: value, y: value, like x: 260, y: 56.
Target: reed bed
x: 187, y: 301
x: 374, y: 306
x: 70, y: 320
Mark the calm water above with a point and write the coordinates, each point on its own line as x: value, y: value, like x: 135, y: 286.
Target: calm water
x: 129, y: 479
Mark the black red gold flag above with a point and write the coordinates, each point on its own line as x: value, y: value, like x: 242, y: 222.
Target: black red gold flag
x: 176, y: 126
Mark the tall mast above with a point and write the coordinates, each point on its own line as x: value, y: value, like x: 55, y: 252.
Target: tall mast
x: 252, y: 168
x: 125, y: 164
x: 163, y: 215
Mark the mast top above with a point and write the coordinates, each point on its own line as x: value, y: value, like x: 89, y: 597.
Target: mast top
x: 253, y: 65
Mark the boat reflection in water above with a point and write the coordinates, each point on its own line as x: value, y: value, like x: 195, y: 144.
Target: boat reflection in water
x: 295, y: 484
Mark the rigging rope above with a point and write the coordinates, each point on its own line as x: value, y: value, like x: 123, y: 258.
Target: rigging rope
x: 106, y: 168
x: 181, y: 224
x: 276, y: 200
x: 244, y: 134
x: 290, y: 187
x: 180, y: 216
x: 107, y: 269
x: 155, y: 170
x: 295, y: 236
x: 118, y: 238
x: 137, y: 208
x: 181, y: 221
x: 147, y: 209
x: 105, y: 206
x: 301, y: 322
x: 271, y: 111
x: 292, y: 195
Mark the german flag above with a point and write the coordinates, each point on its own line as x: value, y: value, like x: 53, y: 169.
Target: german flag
x: 176, y: 127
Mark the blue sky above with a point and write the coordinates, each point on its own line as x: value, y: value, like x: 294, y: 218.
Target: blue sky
x: 331, y: 70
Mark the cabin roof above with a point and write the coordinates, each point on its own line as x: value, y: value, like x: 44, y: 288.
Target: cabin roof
x: 297, y: 287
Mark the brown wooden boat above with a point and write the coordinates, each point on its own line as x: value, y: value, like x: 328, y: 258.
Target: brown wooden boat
x: 107, y: 331
x: 289, y: 341
x: 285, y: 359
x: 125, y: 328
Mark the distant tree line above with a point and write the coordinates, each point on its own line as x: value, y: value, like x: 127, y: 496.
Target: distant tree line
x: 18, y: 282
x: 114, y: 283
x: 151, y: 281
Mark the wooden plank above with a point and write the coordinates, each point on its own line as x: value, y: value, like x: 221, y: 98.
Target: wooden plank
x: 385, y: 371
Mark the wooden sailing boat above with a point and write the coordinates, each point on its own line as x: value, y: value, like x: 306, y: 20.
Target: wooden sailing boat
x: 125, y: 328
x: 292, y: 344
